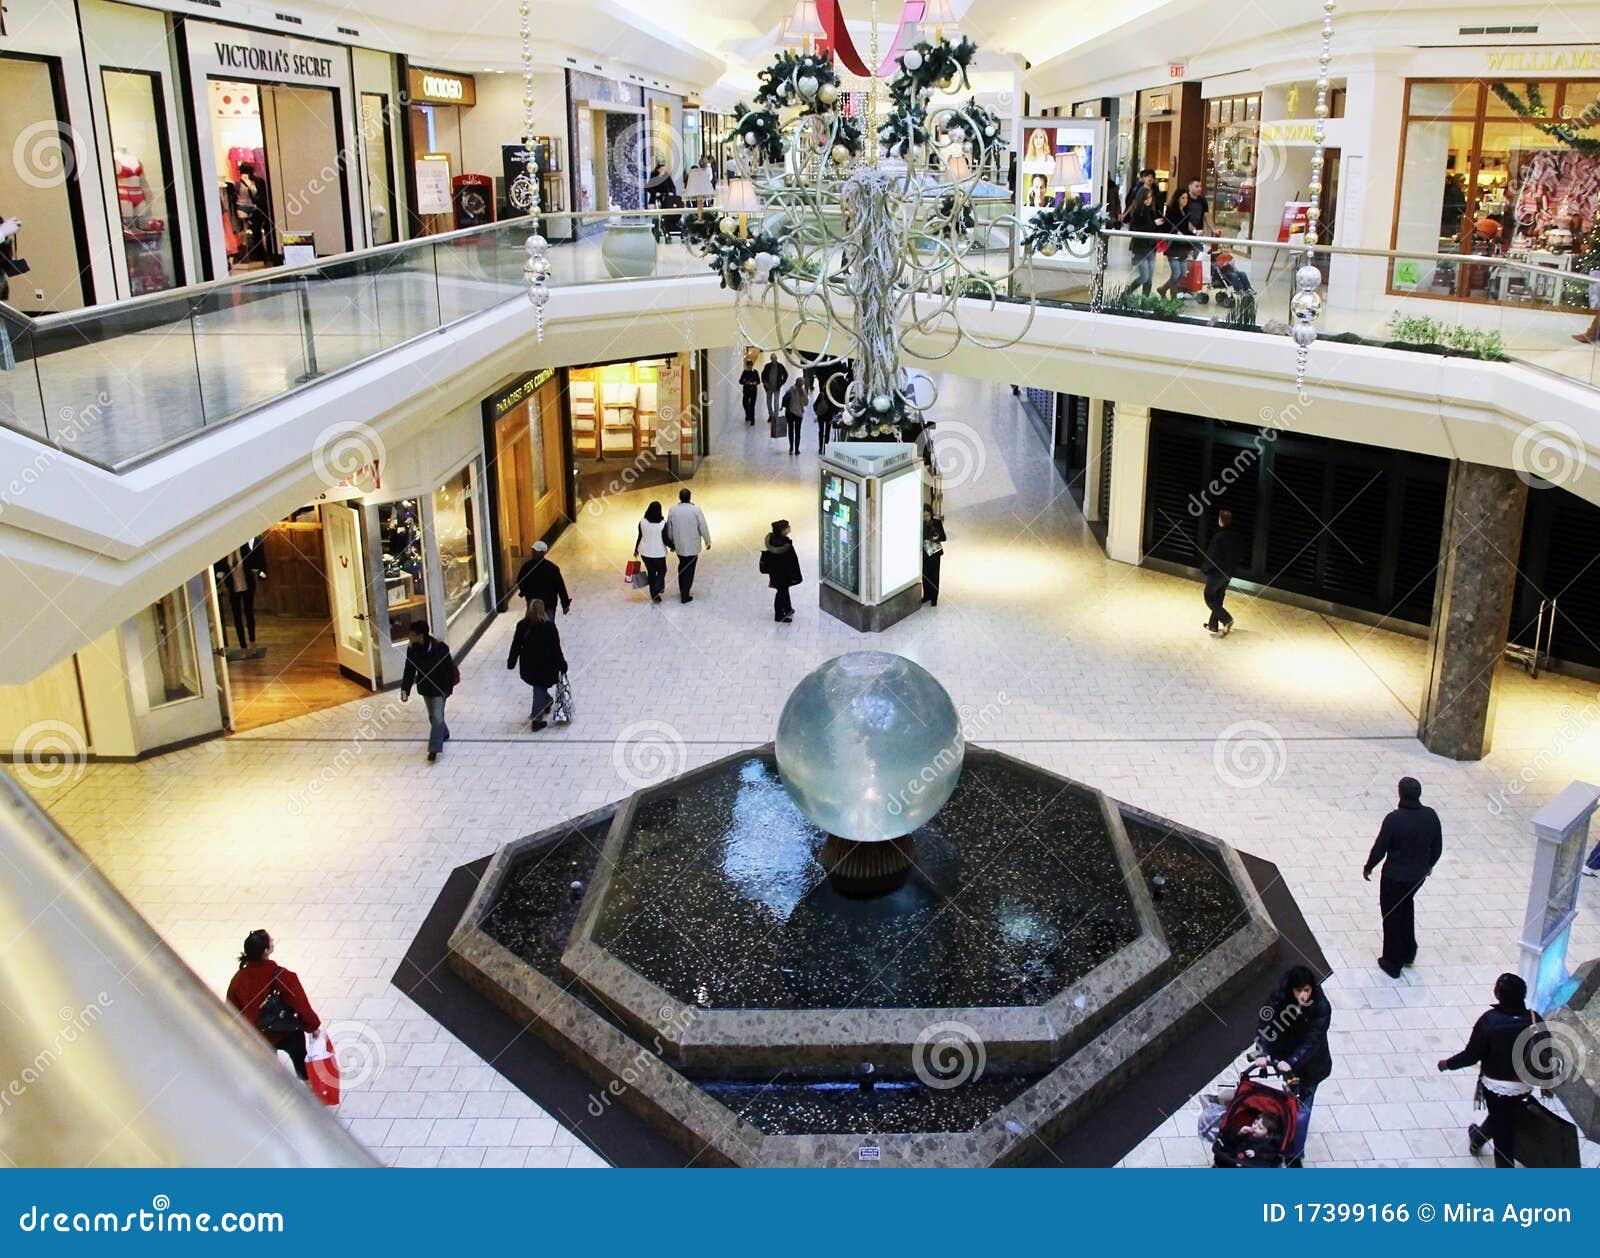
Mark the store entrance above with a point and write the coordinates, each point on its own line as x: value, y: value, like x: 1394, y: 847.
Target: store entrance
x: 274, y: 144
x: 530, y: 491
x: 292, y: 605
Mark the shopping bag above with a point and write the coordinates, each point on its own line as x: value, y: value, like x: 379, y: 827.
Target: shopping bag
x: 1194, y: 278
x: 1544, y: 1139
x: 561, y: 709
x: 322, y: 1069
x: 640, y: 578
x: 630, y: 571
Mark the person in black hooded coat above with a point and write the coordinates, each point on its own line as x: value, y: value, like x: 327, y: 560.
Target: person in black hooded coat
x: 1293, y: 1031
x: 536, y: 647
x: 782, y: 567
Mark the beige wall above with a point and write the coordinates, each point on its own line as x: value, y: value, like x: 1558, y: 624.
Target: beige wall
x: 303, y: 147
x: 497, y: 117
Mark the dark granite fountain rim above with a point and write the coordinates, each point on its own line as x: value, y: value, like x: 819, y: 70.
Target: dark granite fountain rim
x: 754, y: 1042
x: 718, y: 1136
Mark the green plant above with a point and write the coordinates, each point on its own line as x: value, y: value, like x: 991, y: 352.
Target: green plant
x: 1137, y: 301
x: 1485, y: 343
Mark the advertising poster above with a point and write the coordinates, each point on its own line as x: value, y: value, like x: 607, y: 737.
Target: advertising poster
x: 433, y: 185
x: 1061, y: 161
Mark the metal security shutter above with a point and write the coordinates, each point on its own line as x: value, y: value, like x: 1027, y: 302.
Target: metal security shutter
x: 1416, y: 568
x: 1352, y: 567
x: 1176, y: 475
x: 1107, y: 422
x: 1296, y: 489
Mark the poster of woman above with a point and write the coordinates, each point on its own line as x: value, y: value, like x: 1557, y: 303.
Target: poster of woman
x: 1038, y: 151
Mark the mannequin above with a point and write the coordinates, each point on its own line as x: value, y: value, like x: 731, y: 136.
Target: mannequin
x: 237, y: 574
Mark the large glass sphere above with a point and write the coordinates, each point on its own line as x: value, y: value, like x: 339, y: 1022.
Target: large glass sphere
x: 869, y: 746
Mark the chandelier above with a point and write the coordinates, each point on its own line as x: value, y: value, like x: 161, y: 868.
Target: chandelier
x: 851, y: 235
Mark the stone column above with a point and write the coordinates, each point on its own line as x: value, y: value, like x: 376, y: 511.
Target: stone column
x: 1483, y: 510
x: 1130, y: 456
x: 1093, y: 508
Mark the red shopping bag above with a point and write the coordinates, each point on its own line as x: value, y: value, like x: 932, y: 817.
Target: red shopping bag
x: 1194, y: 278
x: 322, y: 1069
x: 628, y: 571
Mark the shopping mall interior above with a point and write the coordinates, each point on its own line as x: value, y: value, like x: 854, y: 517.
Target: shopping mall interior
x: 653, y: 595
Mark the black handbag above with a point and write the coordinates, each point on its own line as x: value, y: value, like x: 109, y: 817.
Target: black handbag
x: 1544, y: 1140
x: 276, y: 1018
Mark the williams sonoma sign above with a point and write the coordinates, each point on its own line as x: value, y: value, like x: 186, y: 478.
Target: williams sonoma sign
x: 279, y: 61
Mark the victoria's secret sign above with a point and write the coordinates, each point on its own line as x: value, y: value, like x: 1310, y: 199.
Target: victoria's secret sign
x: 273, y: 61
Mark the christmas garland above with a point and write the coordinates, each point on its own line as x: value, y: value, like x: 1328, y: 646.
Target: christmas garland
x: 1051, y: 227
x: 986, y: 142
x: 926, y: 66
x: 888, y: 415
x: 737, y: 259
x: 1533, y: 110
x: 806, y: 79
x: 759, y: 131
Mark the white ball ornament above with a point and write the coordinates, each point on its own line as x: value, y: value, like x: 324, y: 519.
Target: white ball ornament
x: 912, y: 60
x: 881, y: 402
x: 1307, y: 277
x: 750, y: 139
x: 727, y: 224
x: 807, y: 83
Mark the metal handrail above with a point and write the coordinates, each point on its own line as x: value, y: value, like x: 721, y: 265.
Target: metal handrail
x: 273, y: 275
x: 112, y: 1051
x: 1406, y: 255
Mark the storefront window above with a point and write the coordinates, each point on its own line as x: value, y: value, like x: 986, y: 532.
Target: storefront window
x: 142, y: 172
x: 455, y: 527
x: 1233, y: 135
x: 166, y: 640
x: 39, y: 187
x: 1479, y: 176
x: 377, y: 166
x: 405, y: 580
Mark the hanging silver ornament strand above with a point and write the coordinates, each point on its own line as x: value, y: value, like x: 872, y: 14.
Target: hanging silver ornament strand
x: 536, y: 270
x: 1306, y: 304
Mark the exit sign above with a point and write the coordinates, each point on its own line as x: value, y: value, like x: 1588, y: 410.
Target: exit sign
x: 1177, y: 70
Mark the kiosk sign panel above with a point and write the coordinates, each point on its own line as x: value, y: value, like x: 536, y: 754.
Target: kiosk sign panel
x: 841, y: 529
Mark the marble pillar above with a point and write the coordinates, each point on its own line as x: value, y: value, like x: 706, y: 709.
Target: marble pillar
x: 1130, y: 464
x: 1482, y: 538
x: 1094, y: 510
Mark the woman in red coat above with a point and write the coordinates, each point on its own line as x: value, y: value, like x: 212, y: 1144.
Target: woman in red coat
x: 258, y: 976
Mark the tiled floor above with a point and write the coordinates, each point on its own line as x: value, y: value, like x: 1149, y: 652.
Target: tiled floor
x: 1286, y: 739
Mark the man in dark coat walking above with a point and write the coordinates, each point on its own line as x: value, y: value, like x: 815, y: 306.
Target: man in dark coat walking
x: 1222, y: 561
x: 1408, y: 846
x: 773, y: 376
x: 540, y: 578
x: 431, y: 670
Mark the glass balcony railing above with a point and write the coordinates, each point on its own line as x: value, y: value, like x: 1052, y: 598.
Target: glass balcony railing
x: 119, y: 383
x: 1513, y: 311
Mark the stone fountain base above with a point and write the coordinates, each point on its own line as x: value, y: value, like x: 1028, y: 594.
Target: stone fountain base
x: 946, y: 1085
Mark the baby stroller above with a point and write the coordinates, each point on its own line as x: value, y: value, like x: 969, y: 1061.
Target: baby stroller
x: 1231, y: 1125
x: 1228, y: 281
x: 668, y: 225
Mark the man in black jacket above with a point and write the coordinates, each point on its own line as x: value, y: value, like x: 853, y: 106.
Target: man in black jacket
x: 431, y: 669
x: 540, y: 578
x: 1409, y: 845
x: 237, y: 574
x: 1506, y: 1064
x: 773, y: 376
x: 1222, y: 561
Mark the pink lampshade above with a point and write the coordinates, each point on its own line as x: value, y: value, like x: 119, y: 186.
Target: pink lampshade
x: 1069, y: 170
x: 937, y: 14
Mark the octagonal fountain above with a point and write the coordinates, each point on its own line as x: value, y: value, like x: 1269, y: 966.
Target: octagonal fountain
x: 866, y: 935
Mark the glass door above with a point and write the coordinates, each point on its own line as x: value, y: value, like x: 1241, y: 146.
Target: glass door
x: 347, y: 590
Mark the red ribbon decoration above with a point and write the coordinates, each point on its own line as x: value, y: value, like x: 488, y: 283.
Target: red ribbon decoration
x: 838, y: 41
